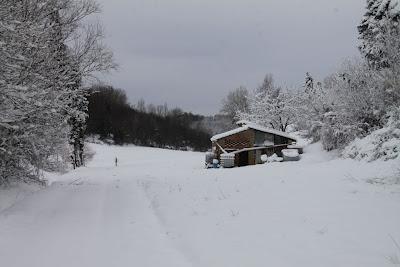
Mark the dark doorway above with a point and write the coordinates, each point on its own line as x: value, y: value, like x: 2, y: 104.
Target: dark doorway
x: 243, y: 159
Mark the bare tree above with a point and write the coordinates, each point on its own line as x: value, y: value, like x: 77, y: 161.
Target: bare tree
x: 162, y: 110
x: 235, y: 102
x: 151, y: 108
x: 141, y: 105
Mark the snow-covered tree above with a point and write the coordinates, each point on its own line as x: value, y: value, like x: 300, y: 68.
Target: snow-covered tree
x: 77, y: 62
x: 350, y: 104
x: 309, y: 84
x: 30, y: 116
x: 68, y: 78
x: 356, y: 105
x: 270, y: 106
x: 365, y: 95
x: 267, y: 85
x: 390, y: 76
x: 46, y: 51
x: 383, y: 143
x: 311, y: 103
x: 382, y: 17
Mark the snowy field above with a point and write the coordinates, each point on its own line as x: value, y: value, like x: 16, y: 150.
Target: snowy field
x: 162, y: 208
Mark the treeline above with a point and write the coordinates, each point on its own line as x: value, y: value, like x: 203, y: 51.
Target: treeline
x: 111, y: 117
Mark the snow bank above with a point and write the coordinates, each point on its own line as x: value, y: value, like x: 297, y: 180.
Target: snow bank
x: 380, y: 144
x: 15, y: 193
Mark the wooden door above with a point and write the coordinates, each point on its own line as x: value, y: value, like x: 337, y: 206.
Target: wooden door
x: 243, y: 159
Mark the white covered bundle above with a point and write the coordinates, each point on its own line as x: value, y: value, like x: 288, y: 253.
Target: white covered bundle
x: 290, y: 155
x: 272, y: 158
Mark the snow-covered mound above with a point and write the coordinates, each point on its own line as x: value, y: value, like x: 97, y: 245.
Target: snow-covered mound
x: 380, y: 144
x: 272, y: 158
x: 290, y: 155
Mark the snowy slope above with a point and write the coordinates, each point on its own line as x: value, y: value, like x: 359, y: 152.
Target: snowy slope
x: 161, y: 208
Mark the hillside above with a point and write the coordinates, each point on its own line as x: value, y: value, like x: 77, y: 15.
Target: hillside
x: 113, y: 119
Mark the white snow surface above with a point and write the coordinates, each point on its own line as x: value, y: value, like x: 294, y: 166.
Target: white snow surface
x: 15, y: 193
x: 162, y: 208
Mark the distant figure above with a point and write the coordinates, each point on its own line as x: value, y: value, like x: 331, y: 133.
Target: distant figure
x: 116, y: 162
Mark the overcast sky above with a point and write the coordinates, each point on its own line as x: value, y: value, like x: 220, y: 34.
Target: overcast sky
x: 191, y: 53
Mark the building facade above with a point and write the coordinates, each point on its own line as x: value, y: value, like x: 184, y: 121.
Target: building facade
x: 249, y: 142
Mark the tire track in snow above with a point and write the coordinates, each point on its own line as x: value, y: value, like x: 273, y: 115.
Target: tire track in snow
x: 153, y: 203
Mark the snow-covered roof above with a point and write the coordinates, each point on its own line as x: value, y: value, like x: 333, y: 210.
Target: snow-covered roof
x: 271, y: 131
x: 253, y: 126
x: 228, y: 133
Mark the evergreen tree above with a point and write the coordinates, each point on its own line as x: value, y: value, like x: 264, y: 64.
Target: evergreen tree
x: 68, y: 77
x: 309, y: 84
x: 77, y: 116
x: 382, y: 17
x: 74, y: 63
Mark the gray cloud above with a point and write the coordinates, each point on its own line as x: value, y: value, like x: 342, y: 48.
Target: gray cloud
x: 191, y: 53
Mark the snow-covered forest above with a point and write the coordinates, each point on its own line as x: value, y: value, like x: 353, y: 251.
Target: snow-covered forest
x: 360, y: 101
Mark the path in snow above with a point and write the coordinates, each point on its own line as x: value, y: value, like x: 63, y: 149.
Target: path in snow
x: 98, y: 216
x: 161, y: 208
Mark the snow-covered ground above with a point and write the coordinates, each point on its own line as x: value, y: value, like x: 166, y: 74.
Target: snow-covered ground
x: 162, y: 208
